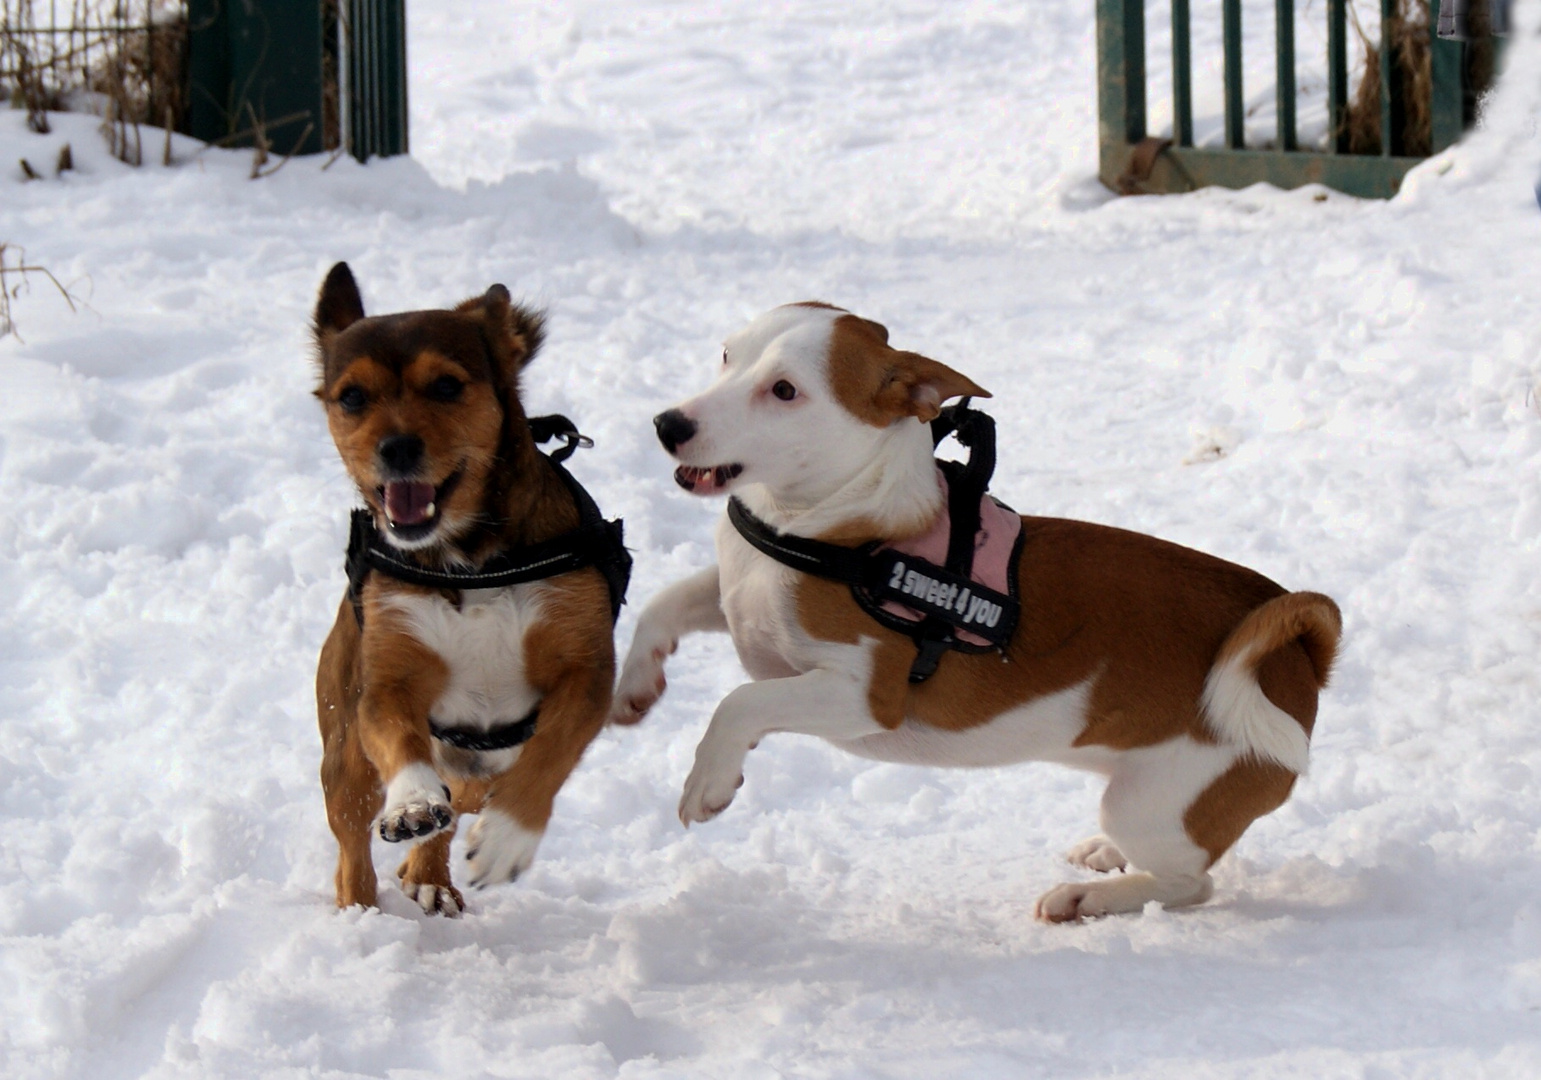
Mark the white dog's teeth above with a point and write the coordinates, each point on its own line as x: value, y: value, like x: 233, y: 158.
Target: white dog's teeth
x: 432, y: 509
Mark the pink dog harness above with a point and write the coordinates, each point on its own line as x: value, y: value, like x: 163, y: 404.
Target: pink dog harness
x: 952, y: 587
x: 995, y: 545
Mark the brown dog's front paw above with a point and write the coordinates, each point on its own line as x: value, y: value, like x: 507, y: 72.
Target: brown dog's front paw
x: 416, y: 805
x: 499, y: 849
x: 436, y: 899
x: 414, y: 821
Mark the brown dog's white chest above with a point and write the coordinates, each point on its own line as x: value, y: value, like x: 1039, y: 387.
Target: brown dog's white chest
x: 482, y: 642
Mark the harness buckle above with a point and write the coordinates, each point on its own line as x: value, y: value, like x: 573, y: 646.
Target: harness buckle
x: 928, y: 657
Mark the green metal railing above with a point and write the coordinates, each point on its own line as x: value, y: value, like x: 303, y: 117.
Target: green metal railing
x: 376, y: 92
x: 1132, y: 162
x: 301, y: 76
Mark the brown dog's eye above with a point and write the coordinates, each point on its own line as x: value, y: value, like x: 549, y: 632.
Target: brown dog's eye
x: 353, y: 400
x: 445, y: 388
x: 784, y: 390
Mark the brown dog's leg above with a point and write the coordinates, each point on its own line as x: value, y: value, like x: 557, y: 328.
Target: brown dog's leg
x: 425, y: 873
x: 353, y: 798
x: 425, y: 876
x: 502, y: 843
x: 402, y: 679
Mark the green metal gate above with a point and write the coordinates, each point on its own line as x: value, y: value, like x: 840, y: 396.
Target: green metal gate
x: 1132, y: 162
x: 376, y: 88
x: 302, y: 75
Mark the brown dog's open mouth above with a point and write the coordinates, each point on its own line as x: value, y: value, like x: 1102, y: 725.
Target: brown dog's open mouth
x: 705, y: 481
x: 412, y: 506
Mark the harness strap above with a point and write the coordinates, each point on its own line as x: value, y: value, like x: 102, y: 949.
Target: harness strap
x: 595, y: 542
x: 501, y: 737
x: 965, y: 488
x: 947, y: 597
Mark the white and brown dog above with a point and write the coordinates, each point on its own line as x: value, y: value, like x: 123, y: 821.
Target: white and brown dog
x: 440, y: 690
x: 1190, y: 682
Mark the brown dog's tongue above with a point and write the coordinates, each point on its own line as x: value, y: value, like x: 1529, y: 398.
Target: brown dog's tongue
x: 408, y: 503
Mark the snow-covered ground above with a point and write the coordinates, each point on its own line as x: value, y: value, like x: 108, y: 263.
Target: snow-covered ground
x: 1338, y: 393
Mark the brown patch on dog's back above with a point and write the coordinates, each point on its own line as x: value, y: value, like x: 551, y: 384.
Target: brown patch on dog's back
x: 1144, y: 616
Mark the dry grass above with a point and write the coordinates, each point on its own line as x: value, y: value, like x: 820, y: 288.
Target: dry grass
x: 1413, y: 79
x: 14, y: 281
x: 131, y: 55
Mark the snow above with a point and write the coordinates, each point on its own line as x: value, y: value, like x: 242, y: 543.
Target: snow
x: 1339, y: 393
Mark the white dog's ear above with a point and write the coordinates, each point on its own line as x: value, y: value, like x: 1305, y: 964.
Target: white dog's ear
x: 917, y: 386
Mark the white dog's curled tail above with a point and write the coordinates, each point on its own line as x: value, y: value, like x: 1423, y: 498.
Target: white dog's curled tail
x: 1238, y: 711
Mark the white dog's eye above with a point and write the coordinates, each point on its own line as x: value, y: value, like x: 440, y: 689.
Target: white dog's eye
x: 724, y: 354
x: 784, y: 390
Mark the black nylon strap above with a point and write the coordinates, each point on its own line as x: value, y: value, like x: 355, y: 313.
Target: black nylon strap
x: 966, y: 487
x: 947, y: 598
x: 559, y: 555
x: 498, y: 738
x: 853, y: 566
x: 595, y: 542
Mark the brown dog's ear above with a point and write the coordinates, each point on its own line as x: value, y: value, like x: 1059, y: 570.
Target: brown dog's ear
x: 339, y: 305
x: 515, y: 332
x: 916, y: 386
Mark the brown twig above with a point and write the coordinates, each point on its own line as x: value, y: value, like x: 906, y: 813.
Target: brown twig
x: 9, y: 292
x: 258, y: 175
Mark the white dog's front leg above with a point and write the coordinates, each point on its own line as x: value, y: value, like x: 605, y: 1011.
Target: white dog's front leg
x: 687, y: 606
x: 830, y: 704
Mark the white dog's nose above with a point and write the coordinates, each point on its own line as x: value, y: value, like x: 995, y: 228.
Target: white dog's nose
x: 674, y: 429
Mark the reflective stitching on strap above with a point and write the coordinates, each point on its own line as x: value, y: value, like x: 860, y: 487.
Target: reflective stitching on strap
x: 596, y: 542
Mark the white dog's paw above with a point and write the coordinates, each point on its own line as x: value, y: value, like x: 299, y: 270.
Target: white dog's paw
x: 712, y: 783
x: 416, y: 805
x: 641, y: 684
x: 1097, y: 853
x: 1071, y: 902
x: 1123, y: 895
x: 499, y: 849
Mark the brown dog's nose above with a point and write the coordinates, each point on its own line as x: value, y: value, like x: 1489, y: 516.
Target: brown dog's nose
x: 674, y: 429
x: 401, y: 453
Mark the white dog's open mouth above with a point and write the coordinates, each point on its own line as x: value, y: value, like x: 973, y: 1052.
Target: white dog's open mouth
x: 705, y: 481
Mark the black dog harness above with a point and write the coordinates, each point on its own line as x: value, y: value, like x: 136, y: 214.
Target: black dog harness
x: 948, y: 600
x: 595, y: 542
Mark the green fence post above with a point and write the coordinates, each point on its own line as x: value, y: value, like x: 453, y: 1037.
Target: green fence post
x: 255, y: 66
x: 377, y: 77
x: 1235, y: 110
x: 1448, y: 107
x: 1337, y: 77
x: 1120, y: 83
x: 1284, y: 37
x: 1182, y: 75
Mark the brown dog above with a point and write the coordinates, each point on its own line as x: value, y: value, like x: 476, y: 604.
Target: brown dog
x: 436, y: 673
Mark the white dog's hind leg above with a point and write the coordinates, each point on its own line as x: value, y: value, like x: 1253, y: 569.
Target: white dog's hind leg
x: 829, y: 704
x: 688, y: 606
x: 1142, y: 815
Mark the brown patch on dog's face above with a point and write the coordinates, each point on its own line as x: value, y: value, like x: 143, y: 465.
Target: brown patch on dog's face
x: 879, y: 384
x: 423, y: 406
